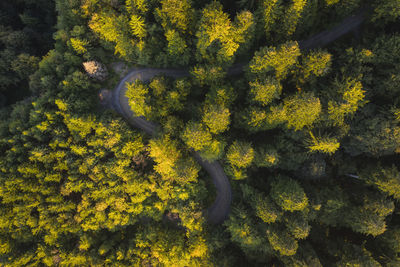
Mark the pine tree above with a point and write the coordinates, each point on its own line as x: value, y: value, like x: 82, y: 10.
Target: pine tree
x: 288, y: 194
x: 301, y: 110
x: 240, y: 154
x: 216, y: 118
x: 277, y: 61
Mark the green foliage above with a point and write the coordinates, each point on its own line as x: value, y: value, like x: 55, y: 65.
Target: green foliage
x: 207, y: 75
x: 298, y: 226
x: 80, y: 188
x: 385, y: 179
x: 213, y: 151
x: 288, y: 194
x: 376, y: 136
x: 176, y: 44
x: 388, y: 10
x: 281, y: 241
x: 266, y: 157
x: 244, y: 232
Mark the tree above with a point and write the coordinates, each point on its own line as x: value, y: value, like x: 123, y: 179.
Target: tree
x: 79, y: 45
x: 240, y: 154
x: 292, y: 16
x: 281, y: 241
x: 216, y: 118
x: 288, y: 194
x: 264, y: 207
x: 314, y: 64
x: 353, y: 99
x: 270, y: 11
x: 196, y: 136
x: 386, y: 179
x: 277, y: 61
x: 207, y: 74
x: 216, y: 29
x: 297, y: 225
x: 177, y: 15
x: 137, y: 94
x: 323, y: 144
x: 376, y: 135
x: 388, y: 11
x: 244, y: 232
x: 266, y: 157
x: 301, y: 110
x: 264, y: 92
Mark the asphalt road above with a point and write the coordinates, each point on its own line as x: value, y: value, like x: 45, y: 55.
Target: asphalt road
x: 220, y: 209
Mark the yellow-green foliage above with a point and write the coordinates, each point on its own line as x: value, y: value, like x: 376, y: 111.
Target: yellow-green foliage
x: 216, y: 118
x: 176, y: 44
x: 385, y: 179
x: 352, y: 99
x: 139, y: 6
x: 331, y: 2
x: 240, y: 154
x: 269, y: 14
x: 108, y: 26
x: 215, y: 25
x: 282, y: 241
x: 207, y: 75
x: 266, y: 210
x: 176, y: 14
x: 266, y: 157
x: 264, y: 92
x: 288, y: 194
x: 79, y: 45
x: 137, y: 94
x: 196, y: 136
x: 301, y: 110
x: 292, y: 16
x: 166, y: 154
x: 113, y: 28
x: 137, y: 25
x: 214, y: 151
x: 315, y: 64
x: 171, y: 164
x: 279, y: 60
x: 323, y: 144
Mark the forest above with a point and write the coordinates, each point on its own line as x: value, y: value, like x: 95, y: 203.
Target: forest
x: 200, y: 133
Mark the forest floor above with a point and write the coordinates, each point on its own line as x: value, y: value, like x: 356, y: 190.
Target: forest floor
x: 220, y: 209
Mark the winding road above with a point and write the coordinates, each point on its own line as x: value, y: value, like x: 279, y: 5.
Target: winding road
x: 220, y: 209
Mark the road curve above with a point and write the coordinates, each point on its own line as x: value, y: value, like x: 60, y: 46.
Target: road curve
x: 220, y: 209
